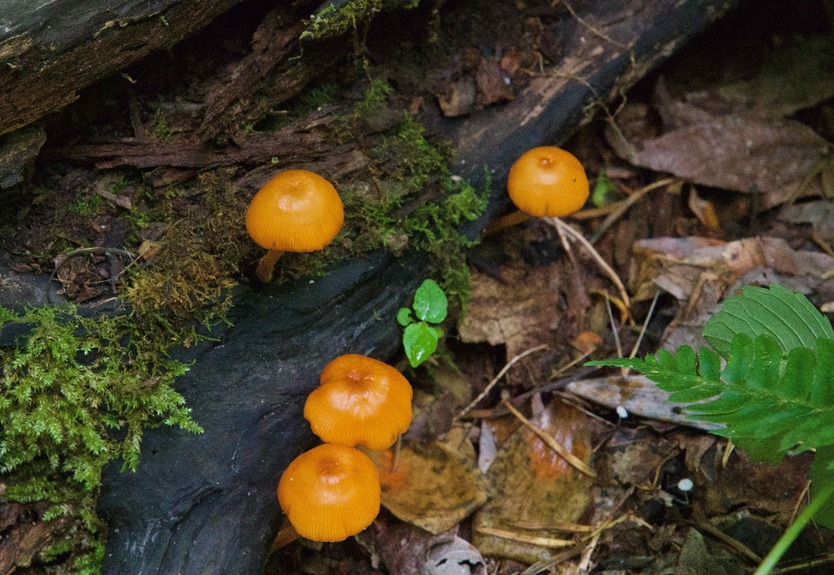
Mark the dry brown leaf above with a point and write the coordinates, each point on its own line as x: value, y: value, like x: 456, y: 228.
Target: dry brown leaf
x: 820, y: 214
x: 765, y: 487
x: 638, y: 395
x: 432, y: 486
x: 634, y: 456
x: 519, y: 310
x: 704, y: 210
x: 586, y: 341
x: 799, y: 74
x: 400, y: 547
x: 535, y: 489
x: 733, y: 152
x: 702, y: 271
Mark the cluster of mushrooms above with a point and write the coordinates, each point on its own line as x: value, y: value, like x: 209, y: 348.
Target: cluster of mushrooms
x: 332, y: 491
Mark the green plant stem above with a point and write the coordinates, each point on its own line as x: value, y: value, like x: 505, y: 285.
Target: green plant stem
x: 793, y: 530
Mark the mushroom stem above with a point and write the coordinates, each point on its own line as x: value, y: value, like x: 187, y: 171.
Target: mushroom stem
x: 506, y: 221
x: 266, y: 265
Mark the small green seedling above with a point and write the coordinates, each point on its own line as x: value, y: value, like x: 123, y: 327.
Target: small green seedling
x: 605, y: 191
x: 768, y: 381
x: 420, y: 336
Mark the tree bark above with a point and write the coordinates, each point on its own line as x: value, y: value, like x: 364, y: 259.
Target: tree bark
x: 50, y: 51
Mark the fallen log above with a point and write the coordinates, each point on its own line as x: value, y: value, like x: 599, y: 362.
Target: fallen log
x: 55, y: 49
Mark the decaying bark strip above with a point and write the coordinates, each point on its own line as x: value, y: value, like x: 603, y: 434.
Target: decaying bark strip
x: 50, y: 52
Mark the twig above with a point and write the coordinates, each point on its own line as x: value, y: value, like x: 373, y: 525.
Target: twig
x: 644, y: 326
x: 614, y: 331
x: 584, y: 565
x: 552, y: 443
x: 623, y: 206
x: 546, y: 542
x: 727, y: 540
x: 585, y: 23
x: 496, y: 379
x: 609, y: 271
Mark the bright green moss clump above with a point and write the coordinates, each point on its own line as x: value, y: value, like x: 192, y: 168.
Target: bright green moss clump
x: 73, y: 397
x: 411, y: 164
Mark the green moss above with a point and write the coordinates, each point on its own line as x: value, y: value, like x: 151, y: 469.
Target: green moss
x: 409, y: 167
x: 88, y: 206
x: 189, y: 280
x: 160, y: 127
x: 333, y: 21
x: 77, y: 393
x: 375, y: 96
x: 315, y: 98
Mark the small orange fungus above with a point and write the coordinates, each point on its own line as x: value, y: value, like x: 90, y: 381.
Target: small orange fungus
x: 296, y: 211
x: 548, y: 182
x: 330, y: 492
x: 360, y: 401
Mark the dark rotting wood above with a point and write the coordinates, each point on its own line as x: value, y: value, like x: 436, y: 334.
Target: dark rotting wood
x: 49, y: 53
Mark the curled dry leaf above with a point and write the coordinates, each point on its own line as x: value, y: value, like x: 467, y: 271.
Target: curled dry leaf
x: 820, y: 214
x: 734, y: 152
x: 400, y: 547
x: 638, y: 395
x: 456, y: 557
x: 704, y: 210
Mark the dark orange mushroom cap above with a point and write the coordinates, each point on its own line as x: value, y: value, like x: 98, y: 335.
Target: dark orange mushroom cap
x: 360, y: 401
x: 330, y: 492
x: 548, y: 182
x: 296, y: 211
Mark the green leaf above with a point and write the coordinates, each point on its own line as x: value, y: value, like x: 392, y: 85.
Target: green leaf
x: 604, y: 192
x: 770, y: 402
x: 430, y: 303
x: 822, y: 474
x: 404, y: 316
x: 419, y: 341
x: 786, y: 315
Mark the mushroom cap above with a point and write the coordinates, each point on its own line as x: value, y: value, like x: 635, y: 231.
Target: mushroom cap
x: 360, y: 401
x: 296, y: 211
x: 548, y: 182
x: 330, y: 492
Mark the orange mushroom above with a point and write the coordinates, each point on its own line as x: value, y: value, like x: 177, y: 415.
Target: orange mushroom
x: 330, y: 492
x: 296, y: 211
x: 544, y: 182
x: 360, y: 401
x: 548, y: 182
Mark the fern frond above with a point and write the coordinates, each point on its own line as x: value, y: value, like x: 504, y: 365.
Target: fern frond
x: 765, y: 399
x: 786, y: 315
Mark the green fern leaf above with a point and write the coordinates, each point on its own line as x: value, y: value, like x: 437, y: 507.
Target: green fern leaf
x: 784, y: 314
x: 764, y: 398
x: 822, y: 474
